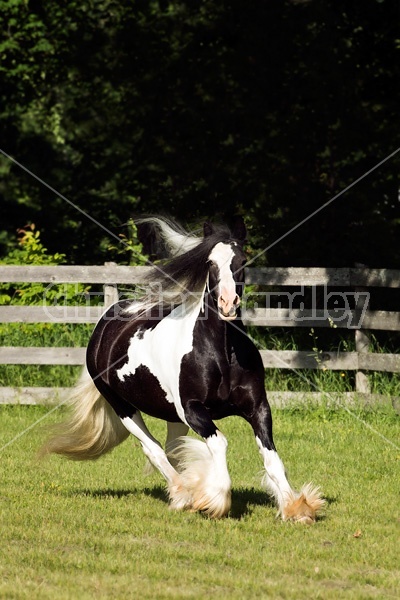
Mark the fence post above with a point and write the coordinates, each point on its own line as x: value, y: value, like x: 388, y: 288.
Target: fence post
x: 110, y: 291
x: 362, y: 347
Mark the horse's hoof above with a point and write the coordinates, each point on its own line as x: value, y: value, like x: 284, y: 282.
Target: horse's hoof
x: 304, y: 507
x: 306, y: 520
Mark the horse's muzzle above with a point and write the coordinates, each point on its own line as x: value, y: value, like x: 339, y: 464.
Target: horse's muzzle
x: 229, y: 317
x: 228, y: 304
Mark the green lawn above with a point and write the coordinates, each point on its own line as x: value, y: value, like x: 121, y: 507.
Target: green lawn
x: 103, y: 530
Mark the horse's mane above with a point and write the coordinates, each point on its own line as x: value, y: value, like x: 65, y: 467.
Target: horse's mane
x: 182, y: 277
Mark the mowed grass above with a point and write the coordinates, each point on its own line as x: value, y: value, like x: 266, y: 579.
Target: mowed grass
x: 104, y: 530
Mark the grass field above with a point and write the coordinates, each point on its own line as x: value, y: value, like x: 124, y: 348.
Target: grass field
x: 103, y: 530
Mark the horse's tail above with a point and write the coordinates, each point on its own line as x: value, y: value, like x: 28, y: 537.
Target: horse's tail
x: 92, y: 429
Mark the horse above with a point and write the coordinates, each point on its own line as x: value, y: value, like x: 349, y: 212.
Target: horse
x: 181, y: 354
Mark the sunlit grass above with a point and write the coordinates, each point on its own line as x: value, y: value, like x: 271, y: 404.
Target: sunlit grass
x: 102, y: 529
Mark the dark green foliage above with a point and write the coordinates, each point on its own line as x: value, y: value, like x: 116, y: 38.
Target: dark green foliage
x: 204, y: 110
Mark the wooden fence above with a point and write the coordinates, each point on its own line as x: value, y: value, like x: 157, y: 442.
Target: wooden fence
x: 337, y: 298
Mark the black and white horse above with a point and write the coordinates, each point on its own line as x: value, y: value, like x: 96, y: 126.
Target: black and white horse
x: 182, y: 355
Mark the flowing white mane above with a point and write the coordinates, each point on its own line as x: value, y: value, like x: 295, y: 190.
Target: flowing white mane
x: 176, y: 240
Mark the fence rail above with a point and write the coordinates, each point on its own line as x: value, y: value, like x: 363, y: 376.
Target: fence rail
x: 357, y: 317
x: 114, y: 274
x: 271, y: 317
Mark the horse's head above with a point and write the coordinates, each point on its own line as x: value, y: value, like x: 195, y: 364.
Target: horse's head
x: 226, y: 272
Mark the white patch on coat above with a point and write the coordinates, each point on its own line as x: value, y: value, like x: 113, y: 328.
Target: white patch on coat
x: 162, y: 349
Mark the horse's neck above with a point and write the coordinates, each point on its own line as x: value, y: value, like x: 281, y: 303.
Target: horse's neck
x: 212, y: 321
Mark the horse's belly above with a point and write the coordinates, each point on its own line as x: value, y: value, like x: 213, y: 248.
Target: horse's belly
x: 143, y: 390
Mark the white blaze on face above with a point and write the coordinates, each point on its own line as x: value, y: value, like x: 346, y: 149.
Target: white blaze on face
x: 222, y: 255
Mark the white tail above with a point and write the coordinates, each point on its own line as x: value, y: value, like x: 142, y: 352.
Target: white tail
x: 92, y: 429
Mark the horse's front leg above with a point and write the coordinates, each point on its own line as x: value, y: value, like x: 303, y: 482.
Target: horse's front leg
x: 300, y: 506
x: 202, y: 465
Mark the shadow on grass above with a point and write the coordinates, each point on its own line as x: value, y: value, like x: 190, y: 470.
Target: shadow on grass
x: 244, y: 500
x: 105, y: 493
x: 158, y: 492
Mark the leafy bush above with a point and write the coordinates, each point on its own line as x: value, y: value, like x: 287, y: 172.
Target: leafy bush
x: 30, y: 251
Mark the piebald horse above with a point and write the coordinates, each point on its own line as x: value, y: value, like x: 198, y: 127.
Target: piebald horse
x: 182, y: 355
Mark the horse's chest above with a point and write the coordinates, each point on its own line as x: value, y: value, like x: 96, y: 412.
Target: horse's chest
x: 205, y: 373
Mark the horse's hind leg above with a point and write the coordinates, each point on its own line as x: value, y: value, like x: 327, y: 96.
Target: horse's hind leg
x: 174, y: 432
x: 156, y: 455
x: 300, y: 506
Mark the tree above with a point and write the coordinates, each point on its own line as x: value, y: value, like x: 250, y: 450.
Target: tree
x: 204, y: 110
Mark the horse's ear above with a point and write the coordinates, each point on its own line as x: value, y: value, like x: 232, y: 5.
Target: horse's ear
x: 207, y: 229
x: 239, y: 229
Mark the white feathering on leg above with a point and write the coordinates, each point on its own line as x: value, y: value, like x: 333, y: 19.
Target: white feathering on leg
x: 205, y: 479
